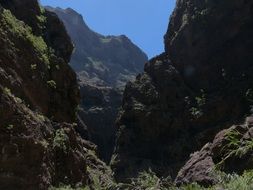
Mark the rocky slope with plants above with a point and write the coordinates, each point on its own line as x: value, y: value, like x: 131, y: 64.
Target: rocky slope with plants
x: 201, y: 84
x: 231, y: 151
x: 194, y: 96
x: 103, y: 65
x: 38, y: 98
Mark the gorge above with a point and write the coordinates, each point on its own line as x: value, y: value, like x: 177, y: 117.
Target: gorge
x: 185, y: 122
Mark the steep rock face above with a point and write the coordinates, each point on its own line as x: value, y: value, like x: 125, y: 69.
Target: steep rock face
x: 38, y: 96
x: 200, y: 85
x: 217, y: 33
x: 44, y: 80
x: 103, y: 65
x: 230, y: 151
x: 97, y: 59
x: 98, y: 110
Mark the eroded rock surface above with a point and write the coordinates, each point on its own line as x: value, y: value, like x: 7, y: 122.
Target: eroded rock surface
x: 39, y: 146
x: 200, y: 85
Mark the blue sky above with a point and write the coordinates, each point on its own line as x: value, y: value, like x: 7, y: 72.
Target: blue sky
x: 143, y: 21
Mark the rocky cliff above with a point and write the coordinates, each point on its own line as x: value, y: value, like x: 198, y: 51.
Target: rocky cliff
x: 97, y: 59
x: 98, y: 109
x: 41, y: 79
x: 201, y: 84
x: 103, y: 64
x: 38, y: 99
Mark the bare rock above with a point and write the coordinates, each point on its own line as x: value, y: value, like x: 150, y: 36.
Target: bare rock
x: 198, y: 87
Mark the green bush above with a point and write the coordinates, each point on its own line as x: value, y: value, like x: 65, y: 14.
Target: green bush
x: 60, y: 140
x: 33, y: 67
x: 197, y: 111
x: 235, y: 147
x: 10, y: 127
x: 51, y: 84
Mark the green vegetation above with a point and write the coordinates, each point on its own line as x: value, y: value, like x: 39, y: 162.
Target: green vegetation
x: 7, y: 92
x: 149, y: 181
x: 44, y: 143
x: 236, y: 182
x: 226, y: 182
x: 60, y: 140
x: 33, y: 67
x: 62, y: 187
x: 51, y: 84
x: 101, y: 180
x: 41, y: 18
x: 10, y: 127
x: 18, y: 100
x: 95, y: 178
x: 67, y: 187
x: 201, y: 101
x: 42, y: 10
x: 22, y: 31
x: 197, y: 111
x: 57, y: 67
x: 41, y: 117
x: 235, y: 147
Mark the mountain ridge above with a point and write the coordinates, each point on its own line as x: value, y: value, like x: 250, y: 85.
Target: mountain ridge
x: 101, y: 60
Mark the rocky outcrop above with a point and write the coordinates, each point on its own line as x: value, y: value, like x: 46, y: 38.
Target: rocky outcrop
x: 200, y: 85
x: 35, y: 152
x: 100, y: 60
x: 38, y: 98
x: 231, y: 151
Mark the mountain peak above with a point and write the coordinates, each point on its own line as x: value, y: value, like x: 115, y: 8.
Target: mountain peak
x: 102, y: 60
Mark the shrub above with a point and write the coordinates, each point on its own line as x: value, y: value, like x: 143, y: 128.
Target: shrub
x: 197, y: 111
x: 60, y: 140
x: 41, y: 117
x: 33, y: 66
x: 51, y: 84
x: 7, y: 91
x: 235, y: 147
x: 10, y: 127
